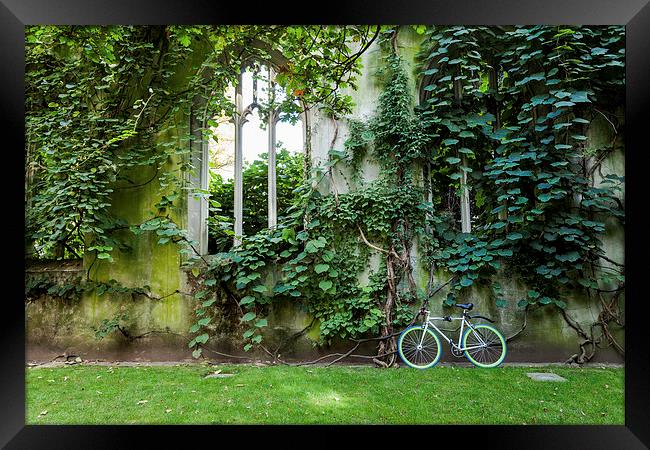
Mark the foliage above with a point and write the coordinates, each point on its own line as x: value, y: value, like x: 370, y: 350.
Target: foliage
x: 289, y: 175
x: 36, y: 287
x: 318, y: 262
x: 97, y: 97
x: 510, y: 107
x: 108, y: 326
x: 74, y: 289
x: 503, y: 115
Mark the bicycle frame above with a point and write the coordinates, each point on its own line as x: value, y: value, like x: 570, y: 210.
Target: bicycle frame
x: 428, y: 321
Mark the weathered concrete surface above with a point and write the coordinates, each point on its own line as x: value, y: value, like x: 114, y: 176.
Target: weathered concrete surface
x: 55, y: 327
x: 541, y: 376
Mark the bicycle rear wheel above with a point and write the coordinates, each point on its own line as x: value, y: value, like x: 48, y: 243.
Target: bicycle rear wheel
x: 487, y: 346
x: 418, y: 348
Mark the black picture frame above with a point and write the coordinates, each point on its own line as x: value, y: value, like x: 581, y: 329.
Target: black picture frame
x: 634, y: 14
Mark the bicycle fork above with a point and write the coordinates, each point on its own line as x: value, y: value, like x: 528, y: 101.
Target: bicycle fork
x: 426, y: 325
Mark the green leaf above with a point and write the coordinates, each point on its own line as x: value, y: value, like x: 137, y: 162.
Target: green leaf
x: 328, y: 256
x: 261, y: 323
x: 246, y: 300
x: 197, y: 353
x: 325, y: 284
x: 208, y: 303
x: 320, y: 242
x: 320, y: 268
x: 248, y: 316
x: 420, y: 29
x: 202, y: 338
x: 185, y: 40
x: 281, y: 288
x: 579, y: 97
x: 452, y: 160
x: 538, y: 99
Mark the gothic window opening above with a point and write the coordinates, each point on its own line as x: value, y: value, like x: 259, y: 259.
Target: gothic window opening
x: 462, y: 198
x: 255, y: 160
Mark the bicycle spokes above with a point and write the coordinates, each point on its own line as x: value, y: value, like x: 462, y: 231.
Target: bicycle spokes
x: 419, y: 348
x: 484, y: 346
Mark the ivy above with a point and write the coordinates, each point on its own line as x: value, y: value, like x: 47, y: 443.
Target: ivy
x: 289, y: 174
x: 502, y: 118
x: 74, y: 289
x: 523, y: 135
x: 98, y: 98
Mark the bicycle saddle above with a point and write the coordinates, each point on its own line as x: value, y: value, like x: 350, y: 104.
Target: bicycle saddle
x: 467, y: 306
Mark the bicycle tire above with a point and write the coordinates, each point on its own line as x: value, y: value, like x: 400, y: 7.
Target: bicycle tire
x: 423, y: 358
x: 490, y: 356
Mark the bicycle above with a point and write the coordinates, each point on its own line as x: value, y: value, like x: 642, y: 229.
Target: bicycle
x: 482, y: 344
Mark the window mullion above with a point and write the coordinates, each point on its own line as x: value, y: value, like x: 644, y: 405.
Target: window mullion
x: 272, y: 186
x: 239, y: 121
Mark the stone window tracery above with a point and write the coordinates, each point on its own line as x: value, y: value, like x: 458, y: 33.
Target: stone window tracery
x: 256, y: 97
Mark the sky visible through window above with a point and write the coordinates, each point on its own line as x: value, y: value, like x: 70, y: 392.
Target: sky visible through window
x: 254, y: 138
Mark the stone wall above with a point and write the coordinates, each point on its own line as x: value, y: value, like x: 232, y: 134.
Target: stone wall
x: 55, y: 326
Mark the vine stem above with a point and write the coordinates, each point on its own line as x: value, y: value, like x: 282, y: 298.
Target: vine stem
x: 607, y: 118
x: 363, y: 236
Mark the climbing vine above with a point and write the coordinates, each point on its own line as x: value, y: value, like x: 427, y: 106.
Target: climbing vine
x: 498, y: 132
x: 319, y: 263
x: 504, y: 116
x: 510, y: 107
x: 99, y: 98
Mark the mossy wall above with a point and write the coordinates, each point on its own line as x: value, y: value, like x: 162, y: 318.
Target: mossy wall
x: 57, y: 327
x: 547, y: 336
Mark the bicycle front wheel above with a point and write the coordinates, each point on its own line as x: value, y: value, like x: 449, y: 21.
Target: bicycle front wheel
x: 418, y: 348
x: 484, y: 345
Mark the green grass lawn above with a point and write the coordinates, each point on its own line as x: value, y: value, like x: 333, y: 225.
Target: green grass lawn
x: 312, y: 395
